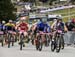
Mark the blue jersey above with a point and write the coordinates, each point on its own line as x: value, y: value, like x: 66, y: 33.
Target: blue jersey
x: 2, y: 27
x: 43, y: 27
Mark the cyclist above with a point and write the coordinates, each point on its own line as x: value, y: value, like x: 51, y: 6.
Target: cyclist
x: 58, y: 28
x: 72, y: 25
x: 2, y: 27
x: 33, y: 31
x: 42, y: 27
x: 58, y: 25
x: 10, y: 27
x: 2, y: 30
x: 23, y: 28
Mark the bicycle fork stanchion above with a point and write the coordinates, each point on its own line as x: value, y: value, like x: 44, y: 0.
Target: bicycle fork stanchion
x: 53, y: 44
x: 58, y: 44
x: 1, y: 40
x: 8, y: 41
x: 21, y: 41
x: 39, y: 43
x: 2, y: 37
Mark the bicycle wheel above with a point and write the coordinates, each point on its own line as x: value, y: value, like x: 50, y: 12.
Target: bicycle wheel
x: 32, y: 41
x: 53, y: 45
x: 9, y: 40
x: 2, y: 39
x: 40, y: 44
x: 37, y: 47
x: 12, y: 40
x: 37, y: 44
x: 58, y: 44
x: 47, y: 41
x: 21, y: 41
x: 62, y: 42
x: 21, y: 46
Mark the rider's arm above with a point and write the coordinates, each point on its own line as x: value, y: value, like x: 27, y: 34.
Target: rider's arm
x: 65, y: 28
x: 7, y: 24
x: 49, y: 29
x: 13, y: 25
x: 17, y: 25
x: 4, y: 27
x: 53, y: 24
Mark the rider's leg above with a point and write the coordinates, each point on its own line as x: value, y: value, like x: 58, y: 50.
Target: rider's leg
x: 53, y: 35
x: 26, y: 36
x: 14, y: 35
x: 20, y: 32
x: 35, y: 41
x: 42, y: 36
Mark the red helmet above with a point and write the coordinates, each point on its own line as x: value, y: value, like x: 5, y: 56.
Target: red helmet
x: 73, y: 20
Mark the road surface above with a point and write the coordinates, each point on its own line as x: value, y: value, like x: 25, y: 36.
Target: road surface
x: 30, y: 51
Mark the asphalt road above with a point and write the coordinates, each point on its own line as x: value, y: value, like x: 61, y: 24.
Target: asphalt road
x: 30, y: 51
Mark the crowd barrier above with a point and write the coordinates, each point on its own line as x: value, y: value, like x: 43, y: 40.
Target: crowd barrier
x: 69, y: 37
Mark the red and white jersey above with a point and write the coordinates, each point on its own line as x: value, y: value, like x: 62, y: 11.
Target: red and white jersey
x: 23, y: 26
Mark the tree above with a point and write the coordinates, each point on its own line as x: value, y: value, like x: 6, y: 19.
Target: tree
x: 6, y: 10
x: 72, y: 1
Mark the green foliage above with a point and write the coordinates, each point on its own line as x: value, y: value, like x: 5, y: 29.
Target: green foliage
x: 72, y: 1
x: 6, y: 10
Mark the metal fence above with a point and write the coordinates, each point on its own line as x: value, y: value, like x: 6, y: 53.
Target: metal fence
x: 69, y: 37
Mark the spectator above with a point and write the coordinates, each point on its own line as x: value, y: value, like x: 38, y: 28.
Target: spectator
x: 72, y: 25
x: 67, y: 24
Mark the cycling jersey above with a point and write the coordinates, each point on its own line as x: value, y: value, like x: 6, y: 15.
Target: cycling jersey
x: 2, y: 27
x: 43, y: 27
x: 60, y: 26
x: 10, y: 26
x: 23, y: 26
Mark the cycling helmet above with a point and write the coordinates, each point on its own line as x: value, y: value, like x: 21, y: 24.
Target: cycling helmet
x: 10, y: 21
x: 3, y: 22
x: 44, y: 19
x: 55, y: 20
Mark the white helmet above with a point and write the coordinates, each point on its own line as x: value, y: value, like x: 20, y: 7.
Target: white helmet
x: 3, y: 22
x: 55, y: 20
x: 10, y: 21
